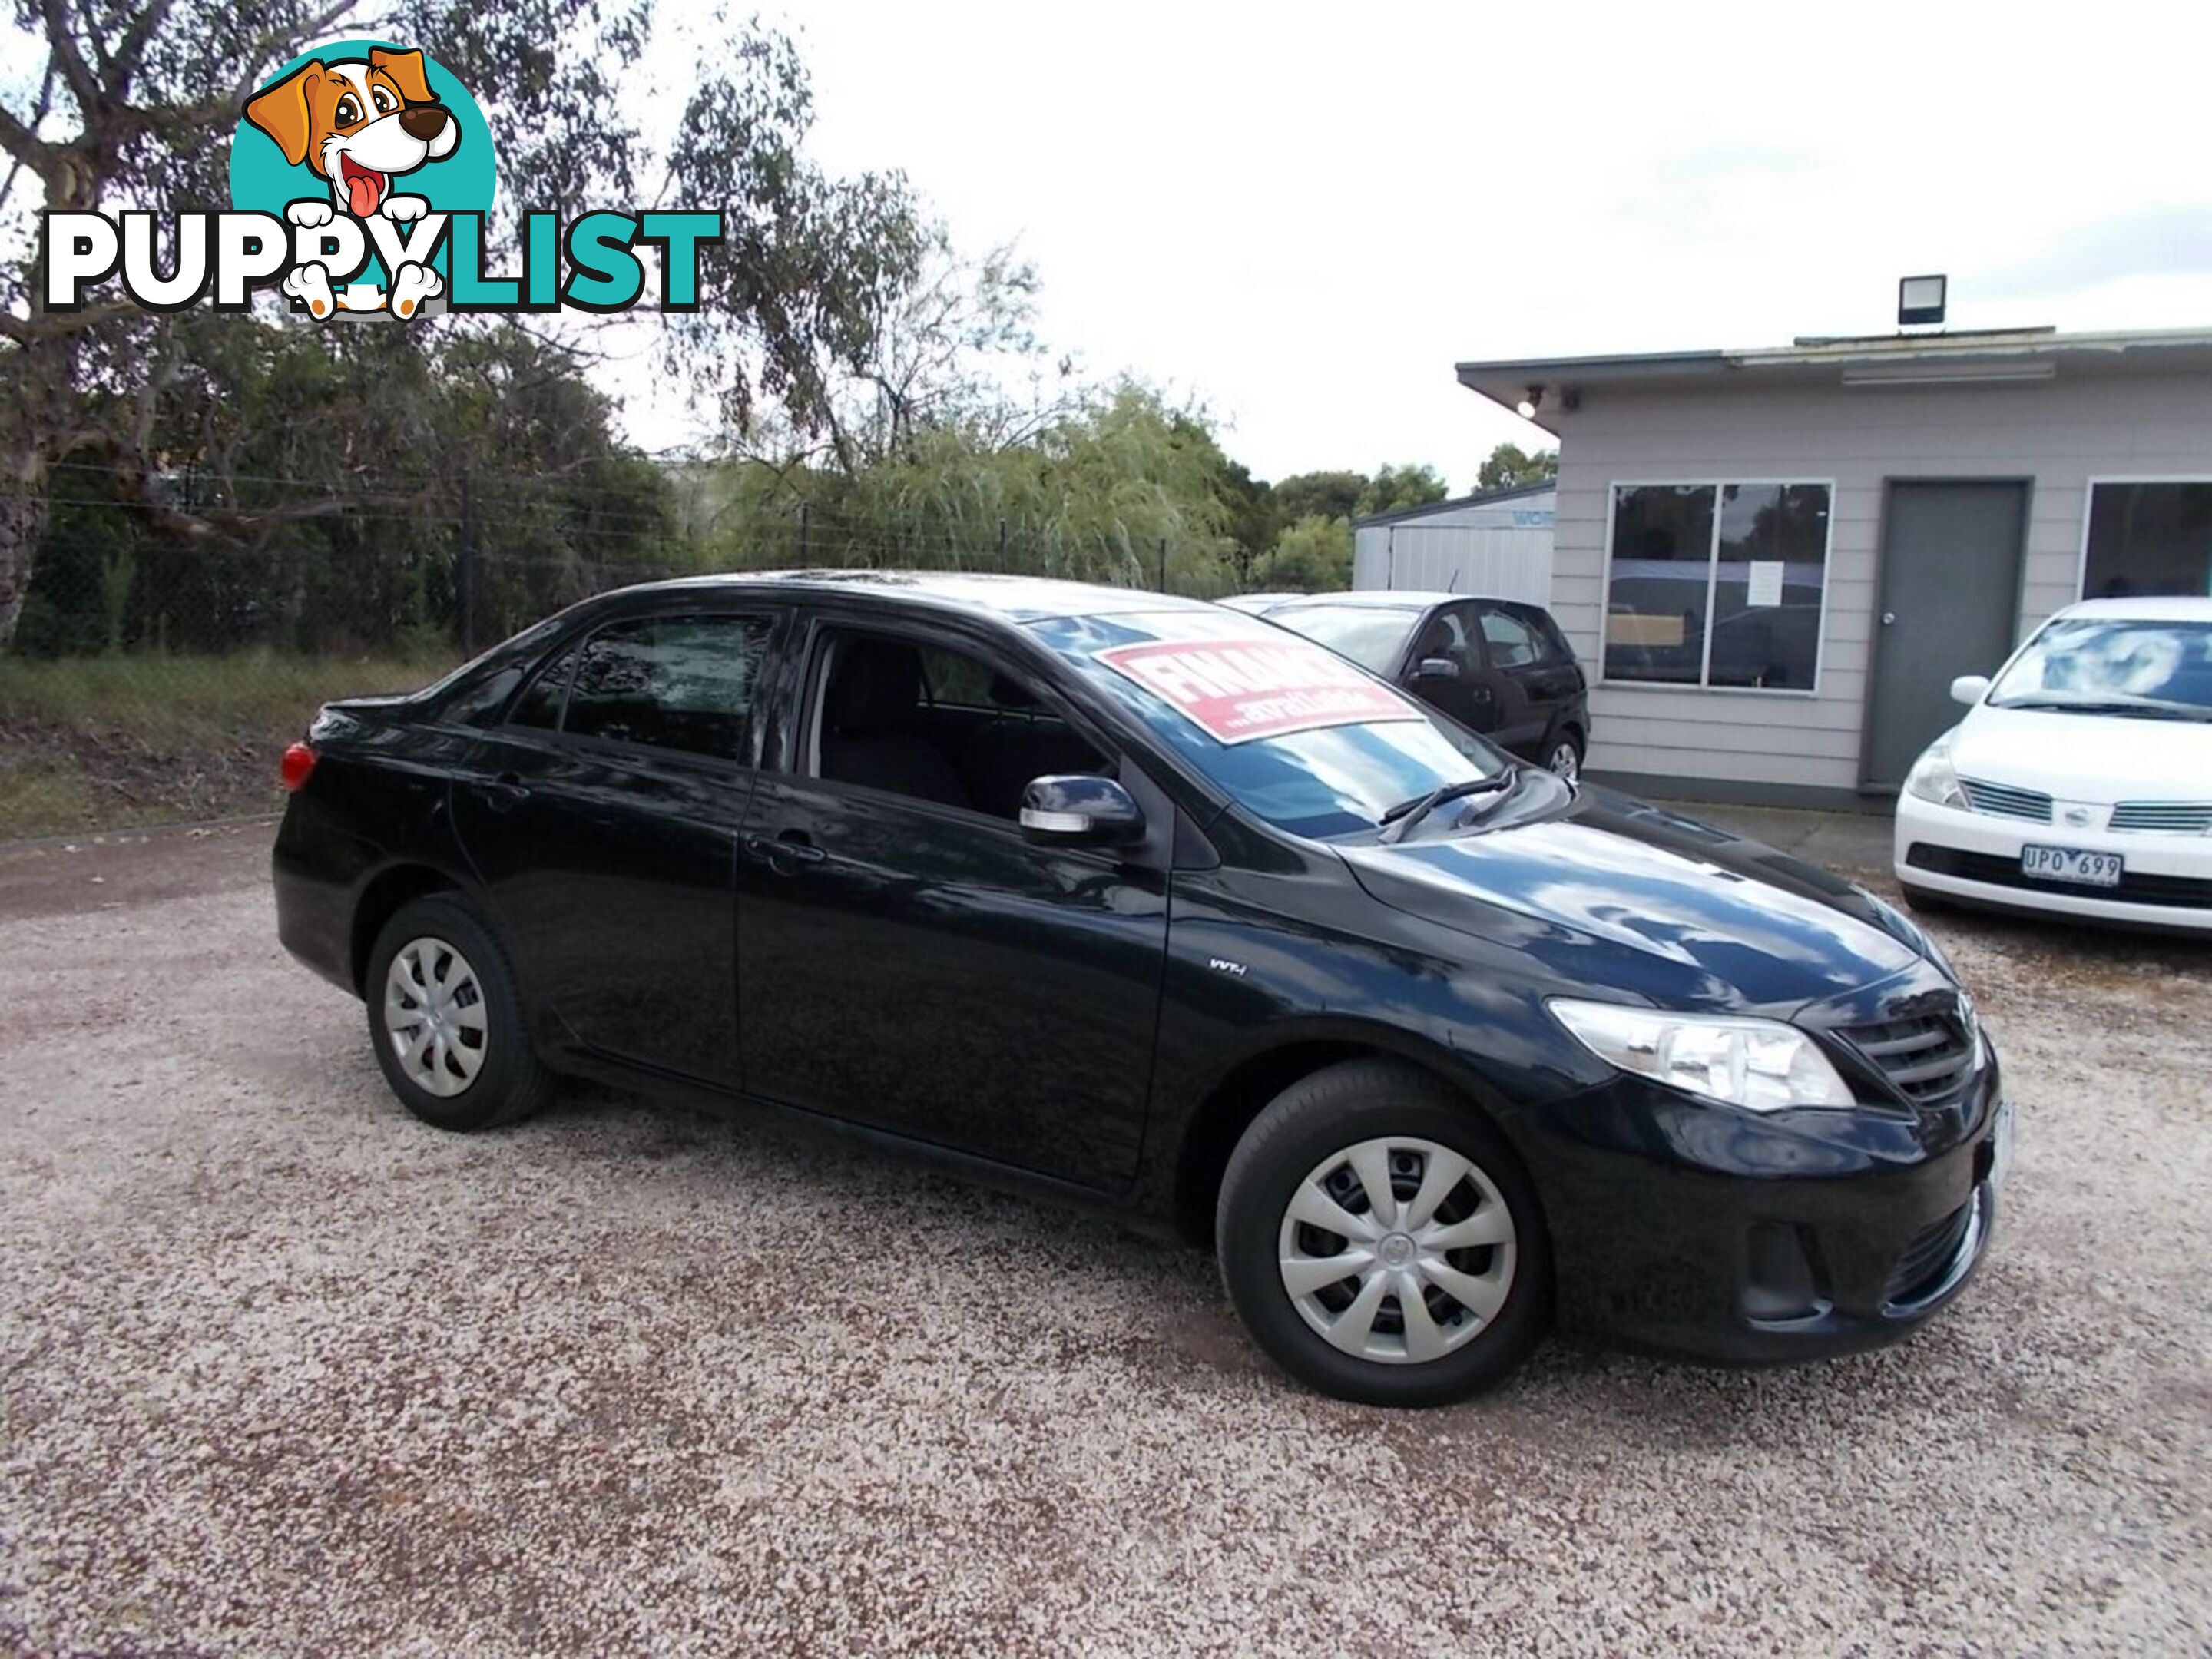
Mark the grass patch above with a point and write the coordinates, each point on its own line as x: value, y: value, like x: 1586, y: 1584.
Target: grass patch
x: 121, y: 742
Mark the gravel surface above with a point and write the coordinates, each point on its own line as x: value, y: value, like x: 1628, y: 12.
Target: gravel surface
x: 282, y: 1371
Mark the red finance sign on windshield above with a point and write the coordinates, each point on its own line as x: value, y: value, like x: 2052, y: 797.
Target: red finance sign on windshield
x: 1236, y: 690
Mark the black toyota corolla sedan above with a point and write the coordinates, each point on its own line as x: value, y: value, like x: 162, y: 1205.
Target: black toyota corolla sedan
x: 1153, y: 905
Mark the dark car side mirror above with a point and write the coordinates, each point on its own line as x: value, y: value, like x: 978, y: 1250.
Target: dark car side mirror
x: 1076, y: 809
x: 1436, y: 668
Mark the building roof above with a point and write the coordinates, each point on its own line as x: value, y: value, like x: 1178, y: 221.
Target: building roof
x: 1944, y: 357
x: 1486, y: 498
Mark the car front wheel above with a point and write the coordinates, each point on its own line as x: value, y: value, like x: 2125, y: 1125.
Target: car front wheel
x: 1564, y: 757
x: 1380, y: 1240
x: 447, y: 1021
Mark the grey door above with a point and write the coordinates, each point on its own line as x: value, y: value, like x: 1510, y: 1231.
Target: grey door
x: 1948, y: 601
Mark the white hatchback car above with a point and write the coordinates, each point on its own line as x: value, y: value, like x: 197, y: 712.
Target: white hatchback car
x: 2079, y: 782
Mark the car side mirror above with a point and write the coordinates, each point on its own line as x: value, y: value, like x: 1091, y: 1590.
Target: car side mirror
x: 1436, y: 668
x: 1970, y: 688
x: 1077, y: 809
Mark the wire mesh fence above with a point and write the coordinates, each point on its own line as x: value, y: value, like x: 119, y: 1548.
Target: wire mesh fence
x: 170, y: 645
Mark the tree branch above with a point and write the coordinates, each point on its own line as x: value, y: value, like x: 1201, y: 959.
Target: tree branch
x: 62, y: 54
x: 47, y: 324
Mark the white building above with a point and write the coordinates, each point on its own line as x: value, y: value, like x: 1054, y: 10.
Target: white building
x: 1498, y: 545
x: 1773, y: 562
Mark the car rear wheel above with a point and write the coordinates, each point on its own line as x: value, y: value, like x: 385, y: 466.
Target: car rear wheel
x: 445, y: 1020
x: 1564, y: 757
x: 1380, y: 1240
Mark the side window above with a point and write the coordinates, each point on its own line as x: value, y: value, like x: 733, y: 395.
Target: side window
x: 679, y: 682
x: 937, y: 724
x: 951, y: 679
x: 1557, y: 651
x: 1448, y: 634
x: 540, y: 706
x: 1513, y: 643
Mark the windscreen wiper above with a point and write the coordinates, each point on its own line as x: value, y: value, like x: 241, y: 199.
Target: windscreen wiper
x: 1405, y: 814
x: 2156, y: 709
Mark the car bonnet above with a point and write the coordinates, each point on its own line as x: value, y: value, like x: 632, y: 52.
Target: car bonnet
x: 1619, y: 895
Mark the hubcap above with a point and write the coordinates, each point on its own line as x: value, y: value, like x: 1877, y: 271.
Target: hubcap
x: 1566, y: 762
x: 433, y: 1013
x: 1397, y: 1250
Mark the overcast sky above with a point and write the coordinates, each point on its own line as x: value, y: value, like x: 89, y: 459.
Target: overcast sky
x: 1305, y: 216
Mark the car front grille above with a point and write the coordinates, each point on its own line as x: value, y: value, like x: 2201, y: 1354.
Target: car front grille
x: 2001, y: 800
x: 2136, y: 887
x: 1927, y: 1261
x: 2164, y: 818
x: 1926, y: 1057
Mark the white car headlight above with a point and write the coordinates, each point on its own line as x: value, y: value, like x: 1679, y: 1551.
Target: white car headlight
x: 1761, y: 1065
x: 1932, y: 779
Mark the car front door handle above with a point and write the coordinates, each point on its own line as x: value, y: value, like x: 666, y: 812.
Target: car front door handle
x: 507, y: 790
x: 791, y: 847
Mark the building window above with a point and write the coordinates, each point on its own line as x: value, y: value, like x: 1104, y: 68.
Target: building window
x: 1717, y: 584
x: 2148, y: 539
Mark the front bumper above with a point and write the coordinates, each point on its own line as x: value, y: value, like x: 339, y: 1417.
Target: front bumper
x: 1975, y: 857
x: 1715, y: 1234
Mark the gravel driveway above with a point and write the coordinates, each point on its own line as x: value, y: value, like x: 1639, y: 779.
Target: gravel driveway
x: 282, y: 1371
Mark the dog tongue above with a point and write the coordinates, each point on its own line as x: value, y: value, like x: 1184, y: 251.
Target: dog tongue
x: 361, y: 188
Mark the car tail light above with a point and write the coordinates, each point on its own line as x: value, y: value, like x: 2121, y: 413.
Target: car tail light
x: 299, y: 762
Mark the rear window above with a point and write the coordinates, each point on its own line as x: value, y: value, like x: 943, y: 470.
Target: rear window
x: 1371, y: 634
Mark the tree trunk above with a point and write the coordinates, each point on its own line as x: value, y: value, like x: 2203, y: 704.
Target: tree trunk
x: 23, y: 512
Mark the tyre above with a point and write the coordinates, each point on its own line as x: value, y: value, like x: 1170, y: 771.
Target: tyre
x: 1563, y: 755
x: 1927, y: 904
x: 1380, y: 1240
x: 447, y: 1022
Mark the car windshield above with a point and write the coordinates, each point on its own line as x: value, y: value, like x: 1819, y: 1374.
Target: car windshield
x: 2152, y: 670
x: 1294, y: 735
x: 1369, y: 635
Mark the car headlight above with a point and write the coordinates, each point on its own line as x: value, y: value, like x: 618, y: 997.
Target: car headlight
x: 1761, y: 1065
x: 1932, y: 779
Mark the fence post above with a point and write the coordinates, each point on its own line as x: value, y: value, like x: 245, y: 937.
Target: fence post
x: 1163, y: 564
x: 468, y: 571
x: 802, y: 535
x: 1002, y: 544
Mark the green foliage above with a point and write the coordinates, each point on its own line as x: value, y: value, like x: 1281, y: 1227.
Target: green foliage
x: 1093, y: 495
x: 345, y: 462
x: 1319, y: 495
x: 1255, y: 517
x: 1509, y: 467
x: 1395, y: 488
x: 110, y: 742
x: 1314, y: 556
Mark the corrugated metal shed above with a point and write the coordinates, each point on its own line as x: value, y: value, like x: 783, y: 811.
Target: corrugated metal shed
x: 1498, y: 544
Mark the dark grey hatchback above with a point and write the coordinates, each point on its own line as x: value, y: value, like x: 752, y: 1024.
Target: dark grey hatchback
x: 1498, y: 666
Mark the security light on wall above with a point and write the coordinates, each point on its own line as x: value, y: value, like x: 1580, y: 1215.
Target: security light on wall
x: 1920, y: 300
x: 1531, y: 401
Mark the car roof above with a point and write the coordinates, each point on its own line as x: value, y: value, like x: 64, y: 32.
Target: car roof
x: 1016, y: 599
x: 1388, y: 598
x: 1396, y: 598
x: 2170, y: 608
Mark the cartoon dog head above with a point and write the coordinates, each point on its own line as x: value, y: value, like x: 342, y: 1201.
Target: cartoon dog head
x: 357, y: 122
